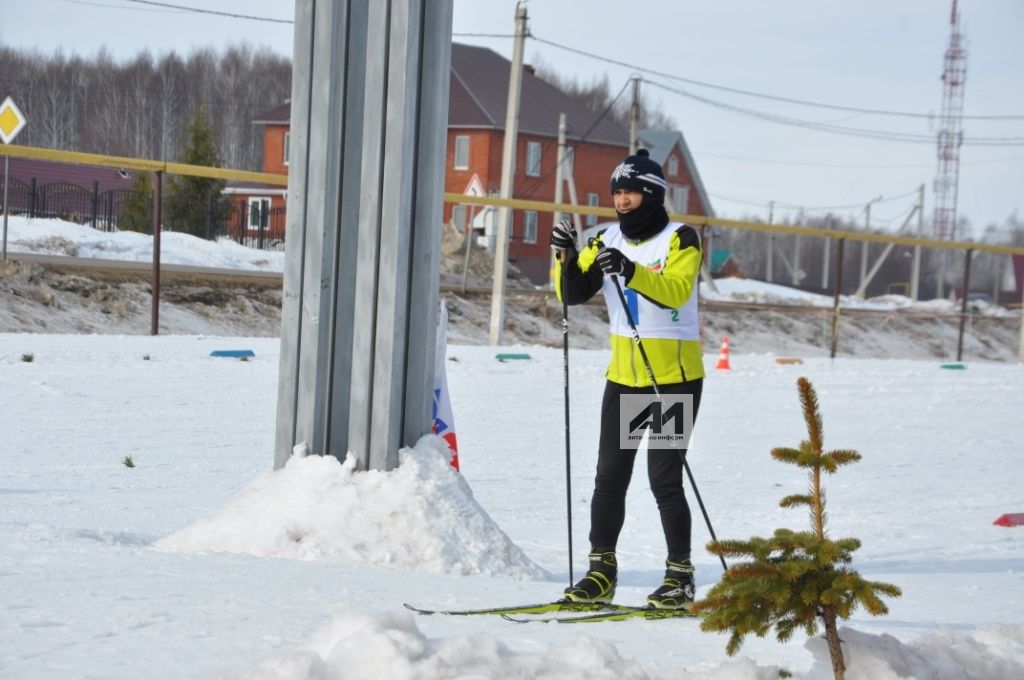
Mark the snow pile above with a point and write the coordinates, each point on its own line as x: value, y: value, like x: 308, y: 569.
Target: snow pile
x: 386, y: 646
x: 57, y: 237
x: 995, y: 653
x: 392, y: 646
x: 421, y: 515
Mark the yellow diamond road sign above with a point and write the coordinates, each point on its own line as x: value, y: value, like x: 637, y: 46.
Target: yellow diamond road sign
x: 11, y: 121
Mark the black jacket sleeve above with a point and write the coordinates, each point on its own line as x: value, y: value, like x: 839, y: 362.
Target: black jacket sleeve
x: 578, y: 286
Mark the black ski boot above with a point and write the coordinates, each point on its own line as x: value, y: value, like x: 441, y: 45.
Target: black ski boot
x: 677, y: 590
x: 599, y: 583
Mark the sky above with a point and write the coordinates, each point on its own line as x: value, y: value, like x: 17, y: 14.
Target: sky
x: 871, y: 55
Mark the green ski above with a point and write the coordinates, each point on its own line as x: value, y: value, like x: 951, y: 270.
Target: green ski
x: 541, y: 608
x: 622, y: 613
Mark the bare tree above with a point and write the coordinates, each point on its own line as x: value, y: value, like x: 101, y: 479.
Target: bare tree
x: 141, y: 106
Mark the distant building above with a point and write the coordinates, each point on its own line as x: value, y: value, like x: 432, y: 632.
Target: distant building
x: 686, y: 192
x: 82, y: 193
x: 476, y: 123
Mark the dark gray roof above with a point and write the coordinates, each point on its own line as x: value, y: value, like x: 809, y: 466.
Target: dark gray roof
x: 51, y: 172
x: 279, y: 114
x: 479, y: 95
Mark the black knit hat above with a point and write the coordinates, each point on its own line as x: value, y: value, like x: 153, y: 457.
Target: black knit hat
x: 640, y: 173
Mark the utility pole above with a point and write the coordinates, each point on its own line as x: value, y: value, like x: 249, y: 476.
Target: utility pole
x: 634, y: 115
x: 915, y: 274
x: 861, y: 289
x: 559, y: 166
x: 556, y: 217
x: 825, y: 248
x: 508, y: 168
x: 1020, y: 346
x: 771, y: 244
x: 796, y: 251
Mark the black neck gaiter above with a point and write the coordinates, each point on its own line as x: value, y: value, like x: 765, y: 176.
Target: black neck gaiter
x: 644, y: 222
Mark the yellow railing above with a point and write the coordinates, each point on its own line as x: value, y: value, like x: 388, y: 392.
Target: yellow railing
x: 79, y: 158
x: 699, y: 220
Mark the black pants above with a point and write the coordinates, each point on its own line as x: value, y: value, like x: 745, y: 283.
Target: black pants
x: 615, y: 468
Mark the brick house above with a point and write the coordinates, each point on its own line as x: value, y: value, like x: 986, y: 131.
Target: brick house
x: 476, y: 121
x: 686, y: 192
x: 261, y: 207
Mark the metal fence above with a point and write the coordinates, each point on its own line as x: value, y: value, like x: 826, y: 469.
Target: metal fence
x: 250, y: 223
x: 255, y: 224
x: 84, y: 205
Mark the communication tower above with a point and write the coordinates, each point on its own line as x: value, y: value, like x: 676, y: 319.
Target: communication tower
x: 951, y: 133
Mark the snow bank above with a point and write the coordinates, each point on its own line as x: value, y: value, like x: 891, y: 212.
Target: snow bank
x: 995, y: 653
x: 392, y: 646
x: 421, y: 515
x: 386, y: 646
x: 58, y: 237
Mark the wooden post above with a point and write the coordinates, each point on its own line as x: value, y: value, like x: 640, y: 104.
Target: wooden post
x: 835, y: 298
x: 154, y: 328
x: 963, y: 305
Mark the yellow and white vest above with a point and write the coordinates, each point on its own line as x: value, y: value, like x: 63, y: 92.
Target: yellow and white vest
x: 652, y: 320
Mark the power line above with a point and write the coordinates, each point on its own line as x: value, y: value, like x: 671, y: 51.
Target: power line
x: 868, y: 166
x: 885, y: 135
x: 484, y: 35
x: 761, y: 95
x: 783, y: 204
x: 105, y: 4
x: 197, y: 10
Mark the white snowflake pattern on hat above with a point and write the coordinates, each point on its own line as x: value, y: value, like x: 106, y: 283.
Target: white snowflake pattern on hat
x: 622, y: 170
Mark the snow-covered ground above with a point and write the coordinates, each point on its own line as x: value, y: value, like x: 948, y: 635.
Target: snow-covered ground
x: 200, y: 561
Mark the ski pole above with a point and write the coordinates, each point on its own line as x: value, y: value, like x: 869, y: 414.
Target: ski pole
x: 565, y: 381
x: 657, y: 393
x: 568, y: 464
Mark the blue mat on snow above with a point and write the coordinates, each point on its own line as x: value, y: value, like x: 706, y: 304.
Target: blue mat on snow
x: 235, y: 353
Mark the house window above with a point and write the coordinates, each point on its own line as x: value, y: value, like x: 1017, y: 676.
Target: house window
x: 593, y: 200
x: 529, y: 226
x: 259, y: 212
x: 680, y: 198
x: 673, y: 166
x: 533, y: 159
x: 286, y: 145
x: 461, y: 152
x: 459, y: 217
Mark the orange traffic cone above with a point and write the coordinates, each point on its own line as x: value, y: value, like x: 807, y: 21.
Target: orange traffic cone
x: 723, y: 356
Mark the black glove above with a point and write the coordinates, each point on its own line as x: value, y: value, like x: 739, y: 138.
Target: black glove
x: 563, y: 236
x: 611, y: 261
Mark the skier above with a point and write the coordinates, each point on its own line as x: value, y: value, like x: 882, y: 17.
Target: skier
x: 658, y: 262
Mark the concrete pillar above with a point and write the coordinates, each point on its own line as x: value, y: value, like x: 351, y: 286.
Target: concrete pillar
x: 366, y: 177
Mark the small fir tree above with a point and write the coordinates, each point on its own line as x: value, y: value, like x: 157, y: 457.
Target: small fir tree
x: 137, y: 207
x: 794, y: 578
x: 194, y: 203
